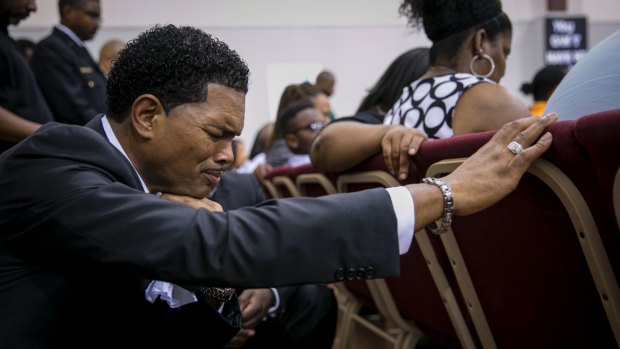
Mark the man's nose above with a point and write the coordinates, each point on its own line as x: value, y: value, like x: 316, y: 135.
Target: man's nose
x: 224, y: 155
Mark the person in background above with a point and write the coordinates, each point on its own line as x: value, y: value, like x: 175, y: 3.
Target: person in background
x: 274, y: 151
x: 108, y: 52
x: 471, y: 42
x: 118, y: 246
x: 262, y: 139
x: 300, y: 122
x: 239, y: 154
x: 22, y: 106
x: 27, y: 48
x: 351, y: 140
x: 405, y: 69
x: 459, y: 93
x: 319, y: 98
x: 69, y: 77
x: 278, y: 152
x: 592, y: 85
x: 542, y: 86
x: 257, y: 163
x: 326, y: 82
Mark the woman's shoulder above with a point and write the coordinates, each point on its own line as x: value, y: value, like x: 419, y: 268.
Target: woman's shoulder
x: 485, y: 107
x: 489, y: 95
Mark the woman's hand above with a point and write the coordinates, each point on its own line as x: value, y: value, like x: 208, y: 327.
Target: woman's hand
x: 489, y: 174
x: 494, y: 171
x: 398, y: 144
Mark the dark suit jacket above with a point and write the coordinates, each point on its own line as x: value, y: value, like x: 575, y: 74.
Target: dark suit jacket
x: 70, y: 79
x: 78, y: 237
x: 19, y: 92
x: 237, y: 190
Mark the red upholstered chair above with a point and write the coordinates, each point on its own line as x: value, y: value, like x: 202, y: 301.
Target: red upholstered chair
x: 616, y: 196
x: 280, y: 183
x: 415, y: 296
x: 312, y: 182
x: 304, y: 180
x: 373, y: 294
x: 270, y: 189
x: 532, y: 268
x: 599, y: 135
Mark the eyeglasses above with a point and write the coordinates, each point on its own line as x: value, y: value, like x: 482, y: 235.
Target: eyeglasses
x: 313, y: 126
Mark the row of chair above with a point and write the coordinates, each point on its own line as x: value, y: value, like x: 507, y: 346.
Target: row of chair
x: 538, y: 270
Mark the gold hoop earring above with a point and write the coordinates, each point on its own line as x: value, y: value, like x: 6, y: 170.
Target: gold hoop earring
x: 482, y: 56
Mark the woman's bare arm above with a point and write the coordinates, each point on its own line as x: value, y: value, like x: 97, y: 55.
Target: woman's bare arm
x: 486, y: 107
x: 13, y: 128
x: 345, y: 144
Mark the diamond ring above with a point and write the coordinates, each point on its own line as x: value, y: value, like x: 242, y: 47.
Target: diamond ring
x: 514, y: 147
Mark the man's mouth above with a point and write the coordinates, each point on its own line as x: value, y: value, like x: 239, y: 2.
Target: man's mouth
x: 213, y: 176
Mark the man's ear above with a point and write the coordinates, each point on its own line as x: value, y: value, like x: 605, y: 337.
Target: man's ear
x: 291, y: 141
x: 68, y: 13
x: 146, y: 112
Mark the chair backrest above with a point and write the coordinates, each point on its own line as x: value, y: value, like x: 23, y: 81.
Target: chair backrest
x: 616, y: 197
x: 312, y: 182
x: 303, y: 180
x: 422, y: 292
x: 270, y: 189
x: 532, y: 268
x: 280, y: 182
x: 599, y: 136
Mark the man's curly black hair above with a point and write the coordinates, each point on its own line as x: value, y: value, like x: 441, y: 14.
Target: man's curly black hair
x: 175, y: 64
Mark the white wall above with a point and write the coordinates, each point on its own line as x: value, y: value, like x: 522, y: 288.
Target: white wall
x: 356, y: 39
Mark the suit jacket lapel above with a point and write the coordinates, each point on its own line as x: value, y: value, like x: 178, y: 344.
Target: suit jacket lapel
x: 95, y: 124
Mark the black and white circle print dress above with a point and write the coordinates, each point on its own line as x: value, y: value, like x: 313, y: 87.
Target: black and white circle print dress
x: 428, y: 104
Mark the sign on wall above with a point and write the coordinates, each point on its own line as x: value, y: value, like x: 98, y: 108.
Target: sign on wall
x: 565, y: 40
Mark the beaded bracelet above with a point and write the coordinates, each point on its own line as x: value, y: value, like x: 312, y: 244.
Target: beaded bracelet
x: 448, y: 209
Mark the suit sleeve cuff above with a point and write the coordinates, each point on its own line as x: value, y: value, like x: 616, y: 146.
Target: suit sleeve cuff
x: 276, y: 302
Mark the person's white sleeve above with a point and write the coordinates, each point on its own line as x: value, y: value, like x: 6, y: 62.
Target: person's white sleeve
x: 250, y: 165
x: 175, y: 295
x: 405, y: 216
x: 276, y: 302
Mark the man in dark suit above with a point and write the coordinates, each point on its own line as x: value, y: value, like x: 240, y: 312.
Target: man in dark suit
x: 22, y: 106
x: 86, y: 246
x: 69, y: 77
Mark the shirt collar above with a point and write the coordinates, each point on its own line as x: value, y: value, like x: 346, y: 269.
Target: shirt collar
x: 109, y: 133
x: 70, y: 34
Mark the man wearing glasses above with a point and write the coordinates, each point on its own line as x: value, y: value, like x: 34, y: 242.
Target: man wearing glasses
x: 69, y: 77
x: 300, y: 122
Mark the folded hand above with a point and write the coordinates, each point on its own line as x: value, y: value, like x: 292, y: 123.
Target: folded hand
x: 193, y: 202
